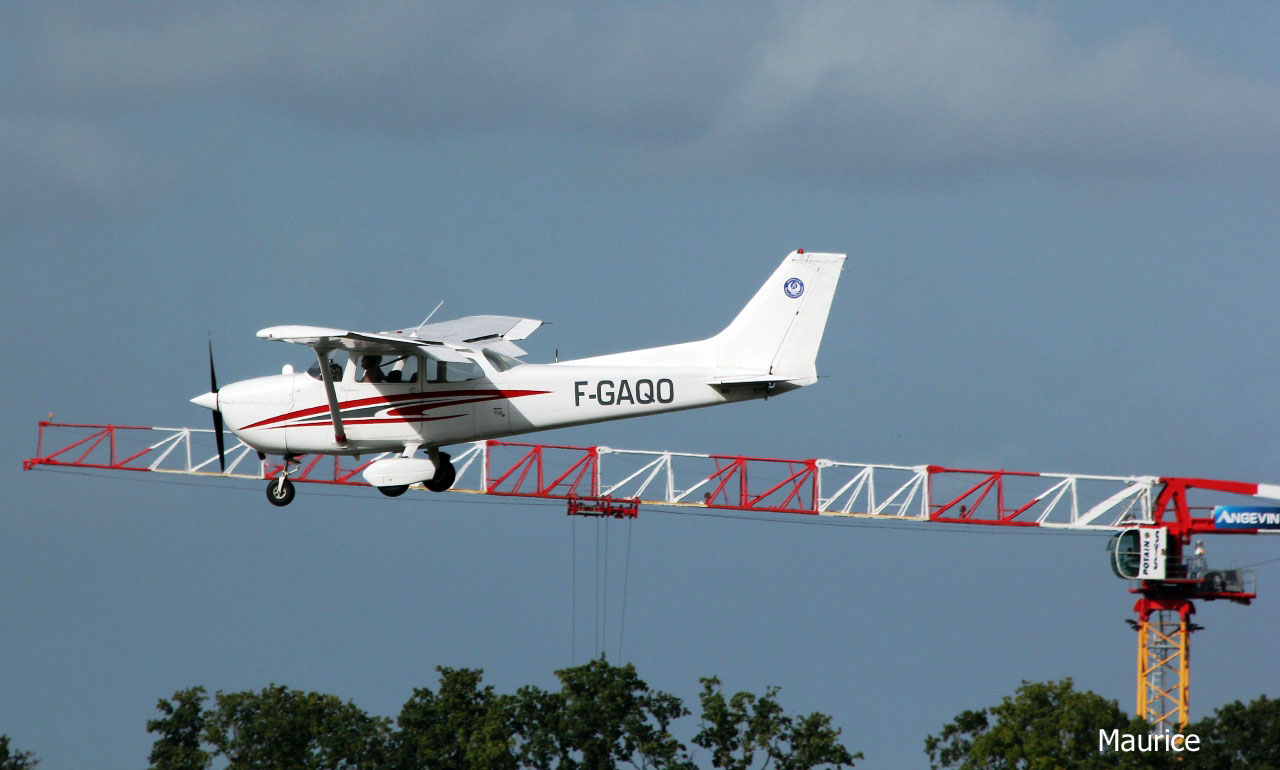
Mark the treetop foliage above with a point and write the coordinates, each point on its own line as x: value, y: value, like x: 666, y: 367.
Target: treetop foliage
x: 1239, y: 737
x: 602, y: 717
x: 1051, y: 725
x: 13, y: 759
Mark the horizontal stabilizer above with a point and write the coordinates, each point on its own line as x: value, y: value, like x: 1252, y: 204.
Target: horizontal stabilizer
x: 749, y: 379
x: 756, y: 382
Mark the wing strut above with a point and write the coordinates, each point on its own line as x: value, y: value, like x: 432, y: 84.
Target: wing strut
x: 339, y: 433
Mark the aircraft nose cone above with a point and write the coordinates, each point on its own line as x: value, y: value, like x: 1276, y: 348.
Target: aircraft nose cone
x: 207, y: 400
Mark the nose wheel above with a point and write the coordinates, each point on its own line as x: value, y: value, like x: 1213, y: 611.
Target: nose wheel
x: 280, y: 489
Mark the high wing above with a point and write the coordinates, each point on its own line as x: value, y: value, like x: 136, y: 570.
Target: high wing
x: 477, y: 331
x: 440, y: 341
x: 322, y: 338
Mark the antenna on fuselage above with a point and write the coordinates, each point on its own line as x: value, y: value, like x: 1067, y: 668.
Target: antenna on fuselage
x: 428, y: 318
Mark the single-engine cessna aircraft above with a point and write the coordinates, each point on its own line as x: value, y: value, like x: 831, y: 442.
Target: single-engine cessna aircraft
x: 419, y: 389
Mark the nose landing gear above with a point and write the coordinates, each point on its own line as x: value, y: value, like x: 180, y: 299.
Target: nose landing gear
x: 280, y: 489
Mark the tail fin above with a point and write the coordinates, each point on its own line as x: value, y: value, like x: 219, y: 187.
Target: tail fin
x: 774, y: 338
x: 779, y: 330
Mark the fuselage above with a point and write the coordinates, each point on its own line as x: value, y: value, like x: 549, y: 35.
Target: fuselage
x: 289, y: 413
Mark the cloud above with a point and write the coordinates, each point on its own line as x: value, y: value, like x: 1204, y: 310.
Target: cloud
x: 55, y: 166
x: 843, y: 90
x: 630, y: 71
x: 933, y: 88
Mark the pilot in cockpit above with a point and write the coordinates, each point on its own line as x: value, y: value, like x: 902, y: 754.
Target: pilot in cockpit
x: 372, y: 369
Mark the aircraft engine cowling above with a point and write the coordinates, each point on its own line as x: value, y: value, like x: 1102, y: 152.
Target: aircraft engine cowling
x: 399, y: 471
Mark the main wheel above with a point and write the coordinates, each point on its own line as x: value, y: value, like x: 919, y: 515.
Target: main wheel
x: 395, y: 491
x: 445, y: 475
x: 280, y: 491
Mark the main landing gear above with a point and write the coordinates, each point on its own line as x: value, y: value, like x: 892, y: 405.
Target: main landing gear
x: 443, y: 479
x: 445, y: 475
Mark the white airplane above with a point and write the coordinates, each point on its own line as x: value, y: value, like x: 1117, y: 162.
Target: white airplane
x: 419, y: 389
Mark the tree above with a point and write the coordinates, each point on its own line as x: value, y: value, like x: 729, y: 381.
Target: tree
x: 283, y: 729
x: 181, y: 730
x: 1043, y: 726
x: 13, y: 759
x: 1238, y: 737
x: 734, y: 730
x: 462, y: 726
x: 602, y: 715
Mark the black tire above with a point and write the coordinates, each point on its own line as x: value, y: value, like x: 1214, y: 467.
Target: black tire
x: 395, y: 491
x: 280, y: 492
x: 445, y: 475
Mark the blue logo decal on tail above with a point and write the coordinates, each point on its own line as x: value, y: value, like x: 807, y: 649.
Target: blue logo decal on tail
x: 793, y: 288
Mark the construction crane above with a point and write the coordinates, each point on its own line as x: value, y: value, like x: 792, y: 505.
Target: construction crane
x: 1153, y: 518
x: 1166, y: 582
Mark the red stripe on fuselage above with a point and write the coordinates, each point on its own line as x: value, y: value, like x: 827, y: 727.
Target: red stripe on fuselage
x: 420, y: 408
x: 390, y: 398
x: 366, y: 421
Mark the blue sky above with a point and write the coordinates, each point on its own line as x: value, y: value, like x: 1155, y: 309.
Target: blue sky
x: 1061, y: 222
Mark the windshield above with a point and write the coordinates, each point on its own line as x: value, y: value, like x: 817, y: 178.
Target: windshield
x: 452, y: 371
x: 336, y: 370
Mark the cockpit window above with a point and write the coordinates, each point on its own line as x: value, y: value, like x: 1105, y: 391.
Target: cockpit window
x: 369, y: 369
x: 452, y: 371
x: 401, y: 370
x: 391, y: 370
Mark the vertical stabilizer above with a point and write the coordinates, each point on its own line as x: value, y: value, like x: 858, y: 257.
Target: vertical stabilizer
x: 780, y: 329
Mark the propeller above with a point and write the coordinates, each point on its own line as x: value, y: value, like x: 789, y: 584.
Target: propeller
x: 217, y: 413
